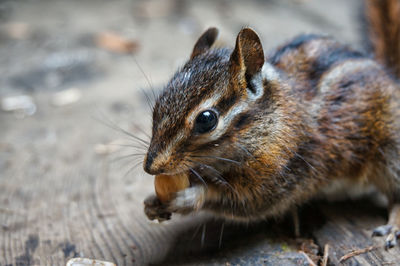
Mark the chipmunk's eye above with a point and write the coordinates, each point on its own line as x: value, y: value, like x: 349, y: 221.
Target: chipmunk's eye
x: 205, y: 121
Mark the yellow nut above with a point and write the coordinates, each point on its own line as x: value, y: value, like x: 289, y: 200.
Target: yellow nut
x: 167, y: 185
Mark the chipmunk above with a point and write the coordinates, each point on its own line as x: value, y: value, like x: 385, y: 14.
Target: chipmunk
x: 259, y: 135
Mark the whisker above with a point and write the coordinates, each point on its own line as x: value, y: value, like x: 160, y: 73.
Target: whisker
x: 132, y: 168
x: 216, y: 157
x: 127, y: 145
x: 246, y: 151
x: 148, y: 101
x: 197, y: 175
x: 141, y: 130
x: 146, y: 77
x: 301, y: 157
x: 195, y: 232
x: 203, y: 235
x: 220, y: 235
x: 127, y: 156
x: 114, y: 126
x: 206, y: 166
x: 219, y: 176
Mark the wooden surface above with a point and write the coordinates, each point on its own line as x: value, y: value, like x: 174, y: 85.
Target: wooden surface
x: 61, y: 196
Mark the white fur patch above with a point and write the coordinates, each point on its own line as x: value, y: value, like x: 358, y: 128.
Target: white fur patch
x: 268, y: 72
x: 192, y: 198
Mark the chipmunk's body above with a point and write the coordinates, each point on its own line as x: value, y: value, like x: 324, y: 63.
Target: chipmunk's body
x: 267, y: 134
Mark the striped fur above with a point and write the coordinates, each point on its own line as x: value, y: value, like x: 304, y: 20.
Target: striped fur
x: 310, y: 114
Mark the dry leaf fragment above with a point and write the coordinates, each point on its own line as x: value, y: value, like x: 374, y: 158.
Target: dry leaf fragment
x: 66, y: 97
x: 116, y: 43
x: 17, y: 30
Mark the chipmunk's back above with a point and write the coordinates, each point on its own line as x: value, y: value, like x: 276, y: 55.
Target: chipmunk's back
x: 308, y: 58
x: 352, y: 99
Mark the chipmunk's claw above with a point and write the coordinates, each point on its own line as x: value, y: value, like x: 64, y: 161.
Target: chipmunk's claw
x: 391, y: 240
x: 185, y: 201
x: 155, y: 209
x: 382, y: 230
x: 392, y: 233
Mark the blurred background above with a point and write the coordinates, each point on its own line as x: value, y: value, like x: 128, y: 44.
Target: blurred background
x: 72, y: 73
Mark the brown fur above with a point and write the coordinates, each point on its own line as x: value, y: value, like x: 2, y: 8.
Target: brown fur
x: 312, y: 113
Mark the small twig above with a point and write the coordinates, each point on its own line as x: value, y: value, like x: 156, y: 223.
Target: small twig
x: 326, y: 256
x: 308, y: 259
x: 357, y: 252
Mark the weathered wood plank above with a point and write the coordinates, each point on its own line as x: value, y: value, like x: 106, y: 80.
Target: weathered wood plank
x: 348, y: 226
x: 214, y: 242
x: 60, y: 199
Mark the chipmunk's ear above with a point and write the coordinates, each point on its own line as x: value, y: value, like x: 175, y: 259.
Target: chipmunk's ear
x: 247, y: 58
x: 205, y: 42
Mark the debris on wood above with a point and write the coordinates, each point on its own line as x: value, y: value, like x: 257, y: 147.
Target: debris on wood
x: 309, y: 260
x: 66, y: 97
x: 16, y: 30
x: 108, y: 148
x: 357, y: 252
x: 22, y: 105
x: 103, y: 149
x: 326, y: 256
x: 115, y: 43
x: 309, y: 247
x: 88, y: 262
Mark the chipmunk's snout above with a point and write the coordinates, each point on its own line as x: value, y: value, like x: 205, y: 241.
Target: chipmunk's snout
x: 148, y: 164
x: 156, y: 162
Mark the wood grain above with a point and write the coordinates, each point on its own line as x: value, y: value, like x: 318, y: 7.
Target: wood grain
x: 60, y: 198
x: 349, y: 227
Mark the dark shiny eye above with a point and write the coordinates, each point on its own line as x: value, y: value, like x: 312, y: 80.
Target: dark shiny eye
x: 205, y: 121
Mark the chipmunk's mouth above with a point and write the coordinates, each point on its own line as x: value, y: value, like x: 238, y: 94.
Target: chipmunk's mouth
x: 172, y: 172
x: 195, y: 175
x: 195, y: 178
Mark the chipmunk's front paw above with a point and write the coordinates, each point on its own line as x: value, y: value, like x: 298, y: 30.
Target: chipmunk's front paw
x: 185, y: 201
x: 155, y: 209
x: 392, y: 232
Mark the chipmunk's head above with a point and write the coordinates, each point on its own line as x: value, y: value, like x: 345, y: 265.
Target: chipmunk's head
x: 202, y: 112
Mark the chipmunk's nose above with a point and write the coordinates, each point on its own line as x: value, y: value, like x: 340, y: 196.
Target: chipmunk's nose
x: 148, y: 165
x: 148, y: 161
